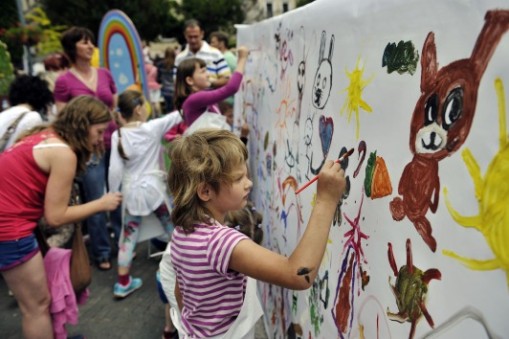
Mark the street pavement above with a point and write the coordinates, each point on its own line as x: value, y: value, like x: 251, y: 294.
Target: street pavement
x: 140, y: 315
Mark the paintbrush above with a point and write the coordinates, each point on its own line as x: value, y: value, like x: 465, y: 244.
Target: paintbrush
x: 341, y: 158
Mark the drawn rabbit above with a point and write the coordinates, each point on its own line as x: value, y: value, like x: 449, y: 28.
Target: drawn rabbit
x: 323, y: 77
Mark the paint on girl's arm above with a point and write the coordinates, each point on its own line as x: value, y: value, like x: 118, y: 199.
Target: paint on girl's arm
x: 304, y: 271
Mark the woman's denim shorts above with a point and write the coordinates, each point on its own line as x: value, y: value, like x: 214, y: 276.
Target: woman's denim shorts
x: 16, y: 252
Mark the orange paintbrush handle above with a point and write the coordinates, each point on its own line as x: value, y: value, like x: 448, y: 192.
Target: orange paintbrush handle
x: 341, y: 158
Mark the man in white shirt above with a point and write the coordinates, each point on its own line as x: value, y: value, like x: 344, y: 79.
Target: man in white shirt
x: 196, y: 47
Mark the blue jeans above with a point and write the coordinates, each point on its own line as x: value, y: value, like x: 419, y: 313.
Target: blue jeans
x: 168, y: 104
x: 94, y: 185
x: 115, y: 215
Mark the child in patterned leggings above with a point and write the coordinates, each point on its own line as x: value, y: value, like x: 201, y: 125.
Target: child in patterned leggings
x: 136, y: 167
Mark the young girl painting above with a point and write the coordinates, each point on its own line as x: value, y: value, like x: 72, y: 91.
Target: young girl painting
x: 193, y: 96
x: 209, y: 178
x: 247, y: 220
x: 136, y: 167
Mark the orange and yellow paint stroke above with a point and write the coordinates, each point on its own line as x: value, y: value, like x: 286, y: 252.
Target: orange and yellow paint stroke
x: 492, y: 193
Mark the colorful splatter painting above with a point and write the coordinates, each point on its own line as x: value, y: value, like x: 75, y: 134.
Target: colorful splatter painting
x: 408, y: 87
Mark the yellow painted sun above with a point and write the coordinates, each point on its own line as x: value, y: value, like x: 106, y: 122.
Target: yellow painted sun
x: 354, y: 101
x: 492, y: 193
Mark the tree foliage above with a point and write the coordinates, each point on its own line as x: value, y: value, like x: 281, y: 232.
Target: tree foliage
x: 214, y: 14
x: 50, y: 37
x: 8, y: 13
x: 6, y: 70
x: 9, y: 18
x: 301, y: 3
x: 38, y: 33
x: 150, y: 17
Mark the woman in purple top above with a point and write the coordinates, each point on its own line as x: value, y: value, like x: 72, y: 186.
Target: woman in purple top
x: 83, y: 79
x: 192, y: 97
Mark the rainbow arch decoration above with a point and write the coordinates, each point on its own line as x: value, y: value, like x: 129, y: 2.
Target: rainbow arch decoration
x: 121, y: 52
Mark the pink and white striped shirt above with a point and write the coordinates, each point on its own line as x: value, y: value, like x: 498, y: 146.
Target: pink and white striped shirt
x: 212, y: 294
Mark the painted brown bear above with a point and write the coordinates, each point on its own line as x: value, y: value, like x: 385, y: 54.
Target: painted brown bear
x: 441, y: 121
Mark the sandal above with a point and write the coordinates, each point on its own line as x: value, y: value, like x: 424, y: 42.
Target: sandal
x: 104, y: 264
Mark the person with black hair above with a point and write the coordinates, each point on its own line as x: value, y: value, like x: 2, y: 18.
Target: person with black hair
x: 29, y: 98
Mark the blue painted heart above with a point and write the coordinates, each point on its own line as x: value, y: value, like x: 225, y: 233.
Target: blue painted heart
x: 326, y: 128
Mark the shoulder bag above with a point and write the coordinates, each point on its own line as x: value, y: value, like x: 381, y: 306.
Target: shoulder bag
x: 80, y: 271
x: 10, y: 130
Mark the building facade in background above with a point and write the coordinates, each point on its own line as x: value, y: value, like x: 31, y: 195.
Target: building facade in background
x: 257, y: 10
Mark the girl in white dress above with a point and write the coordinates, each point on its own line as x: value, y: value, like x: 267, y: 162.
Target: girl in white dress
x: 137, y: 169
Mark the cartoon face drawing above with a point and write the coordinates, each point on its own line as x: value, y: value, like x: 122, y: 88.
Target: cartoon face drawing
x: 309, y: 130
x: 441, y: 121
x: 444, y: 113
x: 323, y: 77
x: 433, y: 135
x: 301, y: 77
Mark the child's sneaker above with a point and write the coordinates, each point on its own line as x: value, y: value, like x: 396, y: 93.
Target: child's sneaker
x: 120, y: 291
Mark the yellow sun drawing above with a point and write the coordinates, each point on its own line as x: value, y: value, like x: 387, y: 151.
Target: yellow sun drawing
x: 354, y: 101
x: 492, y: 193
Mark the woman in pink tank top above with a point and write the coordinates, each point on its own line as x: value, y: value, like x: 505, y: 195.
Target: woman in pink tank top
x: 36, y: 176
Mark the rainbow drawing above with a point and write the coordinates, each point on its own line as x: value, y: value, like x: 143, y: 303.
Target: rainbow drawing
x: 121, y: 51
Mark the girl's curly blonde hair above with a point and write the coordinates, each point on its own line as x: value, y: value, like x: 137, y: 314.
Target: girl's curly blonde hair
x: 208, y: 156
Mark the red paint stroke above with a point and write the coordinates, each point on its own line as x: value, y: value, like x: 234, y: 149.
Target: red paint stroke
x: 344, y: 302
x: 345, y: 291
x: 291, y: 182
x: 362, y: 148
x: 355, y: 235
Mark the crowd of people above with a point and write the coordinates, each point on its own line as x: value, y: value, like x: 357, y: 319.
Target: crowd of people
x: 107, y: 143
